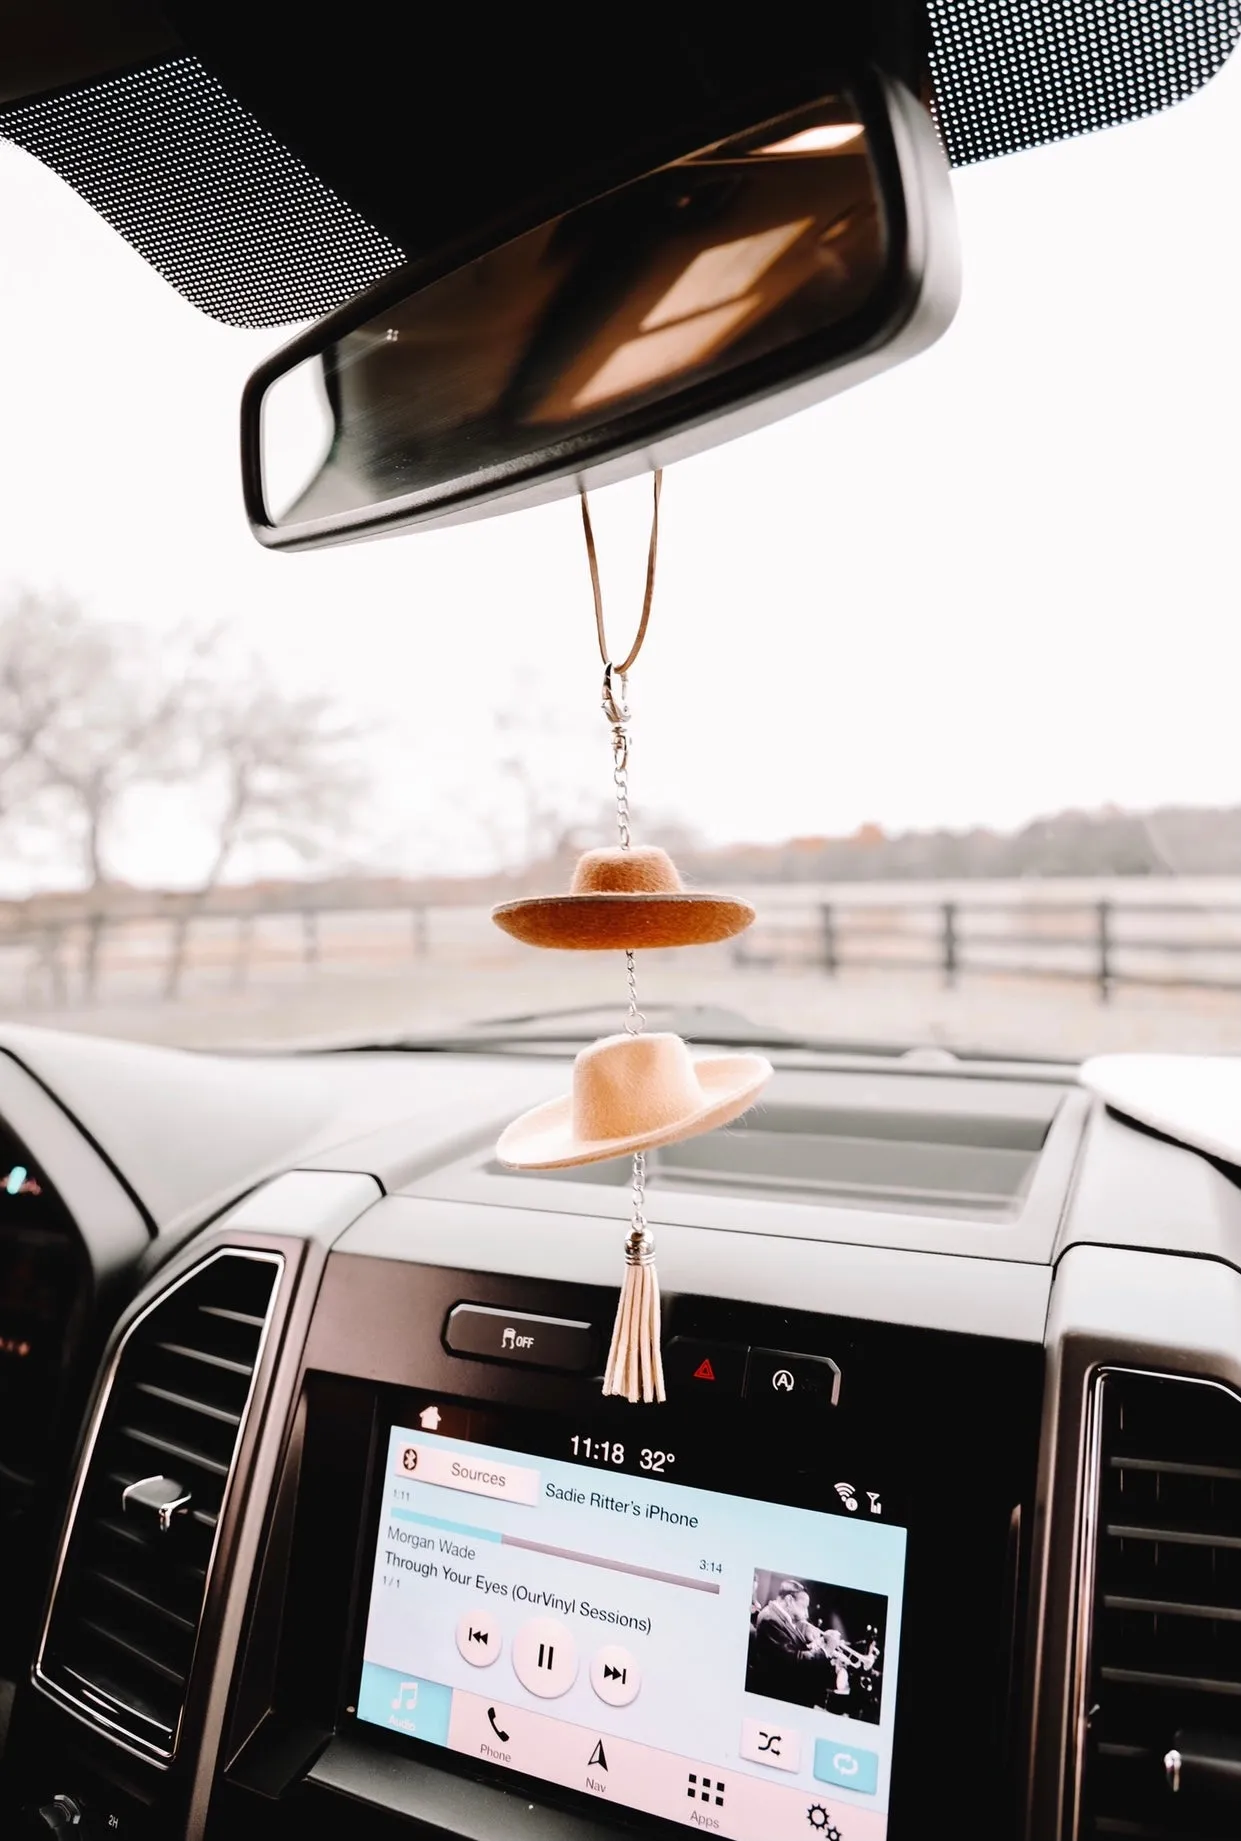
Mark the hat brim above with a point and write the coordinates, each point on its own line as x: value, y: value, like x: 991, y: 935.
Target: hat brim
x: 624, y: 920
x: 543, y: 1138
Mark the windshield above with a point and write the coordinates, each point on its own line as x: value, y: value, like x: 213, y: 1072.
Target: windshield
x: 941, y: 675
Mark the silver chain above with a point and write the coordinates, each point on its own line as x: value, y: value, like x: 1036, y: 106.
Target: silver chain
x: 639, y: 1192
x: 616, y: 709
x: 635, y: 1022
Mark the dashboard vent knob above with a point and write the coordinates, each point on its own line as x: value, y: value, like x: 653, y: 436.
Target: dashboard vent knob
x: 132, y: 1578
x: 158, y: 1496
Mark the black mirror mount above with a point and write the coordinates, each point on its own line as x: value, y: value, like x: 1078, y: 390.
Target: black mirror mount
x: 762, y: 271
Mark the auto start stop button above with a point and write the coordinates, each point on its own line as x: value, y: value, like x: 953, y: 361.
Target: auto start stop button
x: 482, y: 1331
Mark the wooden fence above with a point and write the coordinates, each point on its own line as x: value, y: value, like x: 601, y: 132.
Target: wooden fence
x: 1104, y: 942
x: 1100, y: 942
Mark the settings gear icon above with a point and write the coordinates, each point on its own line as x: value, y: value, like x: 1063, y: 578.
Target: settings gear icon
x: 822, y: 1823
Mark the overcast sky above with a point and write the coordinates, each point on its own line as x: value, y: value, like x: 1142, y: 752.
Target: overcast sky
x: 997, y: 581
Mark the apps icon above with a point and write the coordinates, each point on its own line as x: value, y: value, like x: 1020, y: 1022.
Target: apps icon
x: 614, y: 1675
x: 771, y: 1743
x: 703, y: 1789
x: 479, y: 1638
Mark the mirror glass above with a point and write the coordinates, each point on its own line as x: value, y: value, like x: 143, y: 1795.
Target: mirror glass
x: 718, y: 264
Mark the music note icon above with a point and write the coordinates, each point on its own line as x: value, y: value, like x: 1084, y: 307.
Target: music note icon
x: 406, y: 1697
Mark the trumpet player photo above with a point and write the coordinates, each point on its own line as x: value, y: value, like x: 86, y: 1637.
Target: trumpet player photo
x: 816, y: 1645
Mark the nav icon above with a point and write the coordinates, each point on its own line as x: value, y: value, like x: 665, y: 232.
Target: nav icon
x: 598, y: 1757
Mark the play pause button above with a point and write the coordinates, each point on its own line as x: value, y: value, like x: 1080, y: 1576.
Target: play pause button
x: 614, y: 1675
x: 479, y: 1638
x: 545, y: 1658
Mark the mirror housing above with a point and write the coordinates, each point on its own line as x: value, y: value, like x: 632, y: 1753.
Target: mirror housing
x: 765, y: 269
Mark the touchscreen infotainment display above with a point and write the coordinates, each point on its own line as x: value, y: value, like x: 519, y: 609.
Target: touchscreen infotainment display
x: 713, y: 1659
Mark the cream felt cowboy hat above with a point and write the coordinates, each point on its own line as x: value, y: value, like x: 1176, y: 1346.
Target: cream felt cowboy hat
x: 624, y: 899
x: 632, y: 1093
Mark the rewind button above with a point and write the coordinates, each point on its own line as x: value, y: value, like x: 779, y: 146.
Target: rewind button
x: 479, y: 1638
x: 614, y: 1675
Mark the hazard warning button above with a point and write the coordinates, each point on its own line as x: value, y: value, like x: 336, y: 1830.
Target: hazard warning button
x: 705, y: 1368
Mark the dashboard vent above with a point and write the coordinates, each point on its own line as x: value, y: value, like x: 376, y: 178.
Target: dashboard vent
x: 134, y: 1571
x: 1164, y: 1654
x: 900, y: 1147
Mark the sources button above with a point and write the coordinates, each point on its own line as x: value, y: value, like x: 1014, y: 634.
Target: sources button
x: 846, y: 1766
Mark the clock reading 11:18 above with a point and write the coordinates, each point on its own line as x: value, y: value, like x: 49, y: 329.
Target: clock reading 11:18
x: 610, y: 1451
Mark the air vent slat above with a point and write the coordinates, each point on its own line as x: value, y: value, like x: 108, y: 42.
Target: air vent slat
x: 1184, y: 1537
x: 120, y: 1639
x: 1168, y: 1607
x: 179, y: 1454
x: 1147, y: 1678
x: 1164, y: 1641
x: 218, y: 1413
x: 1163, y: 1466
x: 145, y: 1599
x: 208, y: 1360
x: 231, y: 1316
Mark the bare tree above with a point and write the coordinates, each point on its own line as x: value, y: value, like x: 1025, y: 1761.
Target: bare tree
x: 283, y: 771
x: 45, y: 666
x: 545, y: 756
x: 127, y: 720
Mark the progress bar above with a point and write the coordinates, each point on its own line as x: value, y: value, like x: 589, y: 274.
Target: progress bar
x: 555, y: 1553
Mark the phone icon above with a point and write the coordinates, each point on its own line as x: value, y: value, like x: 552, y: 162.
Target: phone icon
x: 495, y: 1726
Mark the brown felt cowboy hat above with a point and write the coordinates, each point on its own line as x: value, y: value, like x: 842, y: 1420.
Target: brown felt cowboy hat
x: 624, y: 899
x: 632, y: 1093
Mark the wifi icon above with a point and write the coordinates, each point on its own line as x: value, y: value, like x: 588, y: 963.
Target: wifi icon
x: 848, y: 1495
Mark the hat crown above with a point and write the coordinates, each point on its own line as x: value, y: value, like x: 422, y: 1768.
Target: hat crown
x: 626, y: 1086
x: 645, y: 870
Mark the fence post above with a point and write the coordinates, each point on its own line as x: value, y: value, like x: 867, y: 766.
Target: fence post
x: 54, y: 939
x: 831, y: 962
x: 949, y: 943
x: 95, y: 923
x: 1103, y: 938
x: 245, y: 943
x: 310, y: 936
x: 178, y: 940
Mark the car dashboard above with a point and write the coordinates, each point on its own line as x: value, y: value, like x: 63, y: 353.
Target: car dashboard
x: 313, y: 1512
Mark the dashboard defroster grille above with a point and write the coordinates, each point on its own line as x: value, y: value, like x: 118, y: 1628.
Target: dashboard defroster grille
x: 133, y: 1580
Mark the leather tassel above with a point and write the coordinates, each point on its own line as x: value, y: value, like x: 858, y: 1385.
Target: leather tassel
x: 635, y: 1363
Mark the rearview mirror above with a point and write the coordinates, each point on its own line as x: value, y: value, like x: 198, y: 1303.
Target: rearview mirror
x: 747, y: 279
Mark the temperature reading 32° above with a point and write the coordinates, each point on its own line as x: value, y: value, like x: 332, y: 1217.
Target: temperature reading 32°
x: 657, y: 1461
